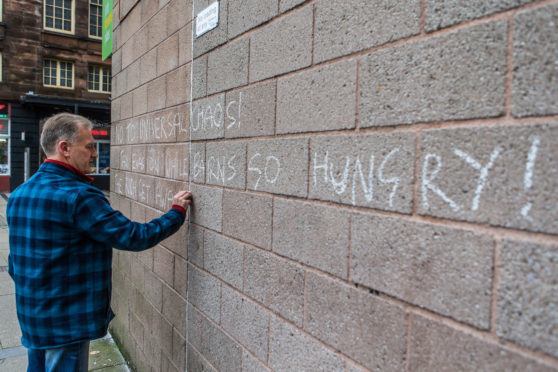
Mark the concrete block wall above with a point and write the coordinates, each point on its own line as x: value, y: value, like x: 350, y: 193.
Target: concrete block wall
x: 374, y: 182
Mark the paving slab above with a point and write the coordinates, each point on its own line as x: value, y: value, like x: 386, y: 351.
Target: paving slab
x: 10, y: 334
x: 6, y: 284
x: 16, y: 364
x: 104, y: 353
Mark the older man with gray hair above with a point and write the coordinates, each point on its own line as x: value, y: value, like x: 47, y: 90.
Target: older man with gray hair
x: 62, y: 231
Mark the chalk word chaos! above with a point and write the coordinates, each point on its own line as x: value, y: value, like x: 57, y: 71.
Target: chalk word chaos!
x: 211, y: 117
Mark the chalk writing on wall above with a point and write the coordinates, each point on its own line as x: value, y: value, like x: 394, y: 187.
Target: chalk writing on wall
x: 138, y: 161
x: 176, y: 163
x: 234, y: 110
x: 148, y: 129
x: 494, y: 183
x: 528, y: 177
x: 221, y: 169
x: 464, y: 182
x: 211, y: 116
x: 270, y: 171
x: 353, y: 177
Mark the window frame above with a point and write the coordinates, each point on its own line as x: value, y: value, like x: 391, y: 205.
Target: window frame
x: 89, y: 21
x: 102, y: 69
x: 72, y: 21
x: 58, y: 72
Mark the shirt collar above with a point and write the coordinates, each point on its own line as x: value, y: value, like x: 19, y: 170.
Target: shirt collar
x: 69, y: 167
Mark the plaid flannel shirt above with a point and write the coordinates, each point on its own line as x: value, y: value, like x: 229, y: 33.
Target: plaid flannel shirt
x: 62, y: 230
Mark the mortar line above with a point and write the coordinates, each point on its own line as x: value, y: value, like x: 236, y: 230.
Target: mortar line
x: 304, y: 300
x: 244, y: 268
x: 268, y: 338
x: 495, y: 289
x: 201, y: 355
x: 221, y: 305
x: 189, y: 183
x: 245, y: 166
x: 249, y: 56
x: 416, y: 174
x: 357, y: 96
x: 509, y: 66
x: 408, y: 341
x: 228, y: 23
x: 206, y: 95
x: 275, y: 113
x: 309, y: 168
x: 350, y: 253
x: 422, y: 19
x: 272, y: 213
x: 312, y: 57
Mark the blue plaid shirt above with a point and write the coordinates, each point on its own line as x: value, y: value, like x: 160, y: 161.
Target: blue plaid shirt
x: 62, y: 231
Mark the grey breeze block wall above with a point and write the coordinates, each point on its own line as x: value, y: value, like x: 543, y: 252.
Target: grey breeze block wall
x: 375, y: 184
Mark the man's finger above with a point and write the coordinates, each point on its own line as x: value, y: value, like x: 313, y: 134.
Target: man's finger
x: 181, y: 193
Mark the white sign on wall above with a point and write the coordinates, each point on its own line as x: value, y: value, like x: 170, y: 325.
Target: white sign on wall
x: 207, y: 19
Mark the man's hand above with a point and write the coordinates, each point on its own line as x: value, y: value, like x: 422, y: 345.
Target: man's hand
x: 183, y: 199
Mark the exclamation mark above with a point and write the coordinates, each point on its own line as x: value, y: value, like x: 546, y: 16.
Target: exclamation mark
x: 528, y: 178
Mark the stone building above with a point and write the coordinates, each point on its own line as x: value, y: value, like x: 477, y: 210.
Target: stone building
x: 374, y: 184
x: 51, y: 62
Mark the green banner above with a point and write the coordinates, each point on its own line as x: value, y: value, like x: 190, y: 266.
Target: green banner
x: 107, y: 28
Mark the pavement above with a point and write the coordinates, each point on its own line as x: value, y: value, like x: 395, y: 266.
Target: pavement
x: 104, y: 355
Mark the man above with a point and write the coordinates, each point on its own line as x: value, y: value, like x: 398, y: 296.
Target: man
x: 62, y: 230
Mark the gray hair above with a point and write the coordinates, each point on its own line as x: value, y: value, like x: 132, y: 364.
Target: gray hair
x: 62, y: 127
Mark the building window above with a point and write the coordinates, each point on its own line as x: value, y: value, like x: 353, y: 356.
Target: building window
x: 95, y: 18
x: 1, y: 64
x: 1, y: 11
x: 59, y: 74
x: 4, y: 155
x: 99, y: 79
x: 102, y: 163
x: 4, y: 139
x: 58, y: 15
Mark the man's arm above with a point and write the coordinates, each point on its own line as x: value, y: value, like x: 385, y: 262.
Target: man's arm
x: 95, y: 217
